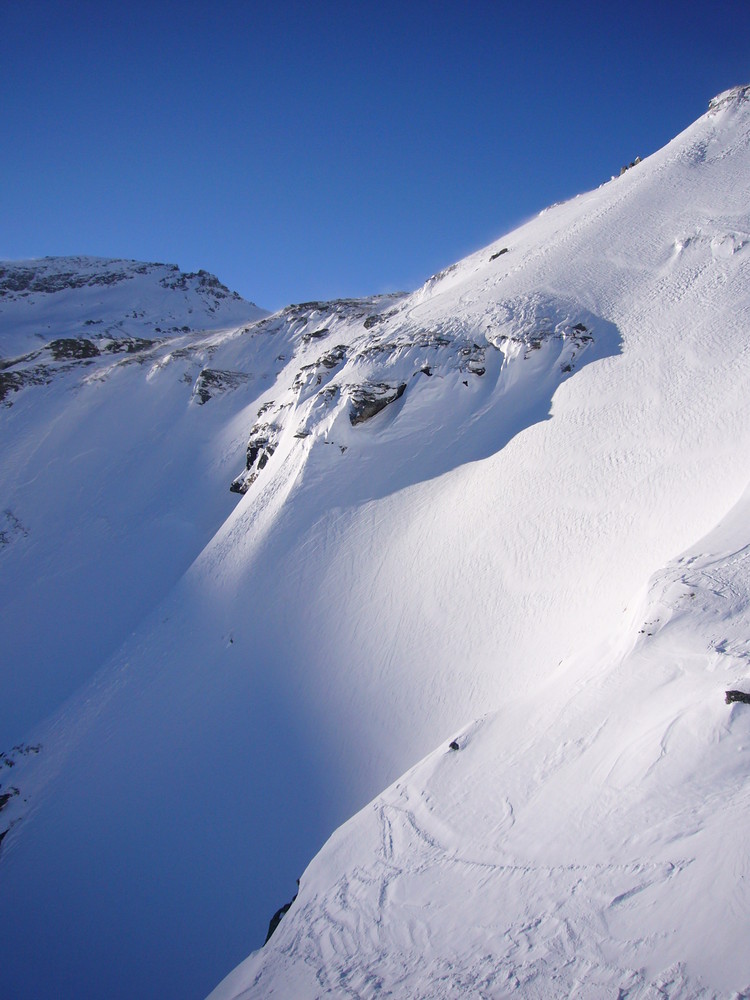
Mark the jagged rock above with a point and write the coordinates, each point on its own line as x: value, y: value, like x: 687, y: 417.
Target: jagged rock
x: 627, y: 166
x: 72, y: 348
x: 735, y: 95
x: 731, y: 696
x: 5, y: 797
x: 311, y: 374
x: 129, y: 345
x: 276, y: 918
x: 499, y: 253
x: 210, y: 383
x: 315, y: 335
x: 261, y: 445
x: 14, y: 381
x: 30, y: 279
x: 371, y: 399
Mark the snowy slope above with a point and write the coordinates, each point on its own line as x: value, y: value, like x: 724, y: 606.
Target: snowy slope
x: 453, y: 504
x: 93, y: 529
x: 96, y: 297
x: 588, y: 839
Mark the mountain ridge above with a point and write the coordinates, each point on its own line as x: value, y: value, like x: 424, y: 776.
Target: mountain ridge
x: 352, y: 610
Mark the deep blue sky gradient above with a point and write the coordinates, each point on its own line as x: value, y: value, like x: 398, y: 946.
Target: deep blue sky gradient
x: 306, y: 151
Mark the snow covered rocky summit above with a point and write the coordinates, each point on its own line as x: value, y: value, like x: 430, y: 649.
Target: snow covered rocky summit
x: 252, y: 575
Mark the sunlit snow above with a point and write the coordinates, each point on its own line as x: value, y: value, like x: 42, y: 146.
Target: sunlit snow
x: 508, y: 509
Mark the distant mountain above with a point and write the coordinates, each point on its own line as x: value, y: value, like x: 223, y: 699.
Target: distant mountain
x: 254, y: 570
x: 95, y: 298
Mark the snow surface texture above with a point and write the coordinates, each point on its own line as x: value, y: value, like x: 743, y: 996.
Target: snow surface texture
x: 472, y: 512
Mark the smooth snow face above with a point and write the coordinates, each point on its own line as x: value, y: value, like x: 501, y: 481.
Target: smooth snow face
x: 586, y: 839
x: 457, y: 554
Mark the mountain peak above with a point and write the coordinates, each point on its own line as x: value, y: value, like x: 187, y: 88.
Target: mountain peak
x: 736, y: 95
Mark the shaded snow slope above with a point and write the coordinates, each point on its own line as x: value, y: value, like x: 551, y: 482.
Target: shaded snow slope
x: 94, y: 526
x: 451, y: 499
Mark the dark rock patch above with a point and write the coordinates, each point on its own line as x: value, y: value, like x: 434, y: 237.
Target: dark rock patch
x: 499, y: 253
x: 315, y: 335
x: 371, y: 399
x: 276, y: 918
x: 12, y: 528
x: 24, y: 280
x: 128, y: 345
x: 261, y: 445
x: 73, y: 349
x: 731, y: 696
x: 15, y: 381
x: 211, y: 382
x: 311, y: 374
x: 260, y: 448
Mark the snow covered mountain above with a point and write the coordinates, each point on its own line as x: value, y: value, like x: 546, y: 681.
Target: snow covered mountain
x: 251, y: 572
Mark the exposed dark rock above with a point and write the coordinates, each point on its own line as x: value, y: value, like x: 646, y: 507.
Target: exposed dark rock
x: 5, y: 797
x: 73, y: 349
x: 211, y: 382
x: 14, y: 381
x: 12, y: 528
x: 276, y: 918
x: 627, y: 166
x: 371, y: 399
x: 376, y: 318
x: 25, y: 279
x: 333, y: 357
x: 260, y: 447
x: 202, y: 280
x: 454, y: 745
x: 731, y: 696
x: 19, y: 750
x: 384, y: 348
x: 442, y: 274
x: 310, y: 374
x: 315, y: 335
x: 499, y: 253
x: 129, y: 345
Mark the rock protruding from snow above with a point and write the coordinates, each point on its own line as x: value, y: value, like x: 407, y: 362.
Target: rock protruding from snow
x: 100, y: 297
x: 734, y: 96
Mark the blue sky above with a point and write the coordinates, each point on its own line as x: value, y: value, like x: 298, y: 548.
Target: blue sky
x: 306, y: 151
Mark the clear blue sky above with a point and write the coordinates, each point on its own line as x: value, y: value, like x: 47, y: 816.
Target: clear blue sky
x: 316, y: 150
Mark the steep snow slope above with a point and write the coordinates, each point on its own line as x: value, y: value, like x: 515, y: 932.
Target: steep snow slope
x: 94, y: 528
x: 561, y: 420
x: 588, y: 838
